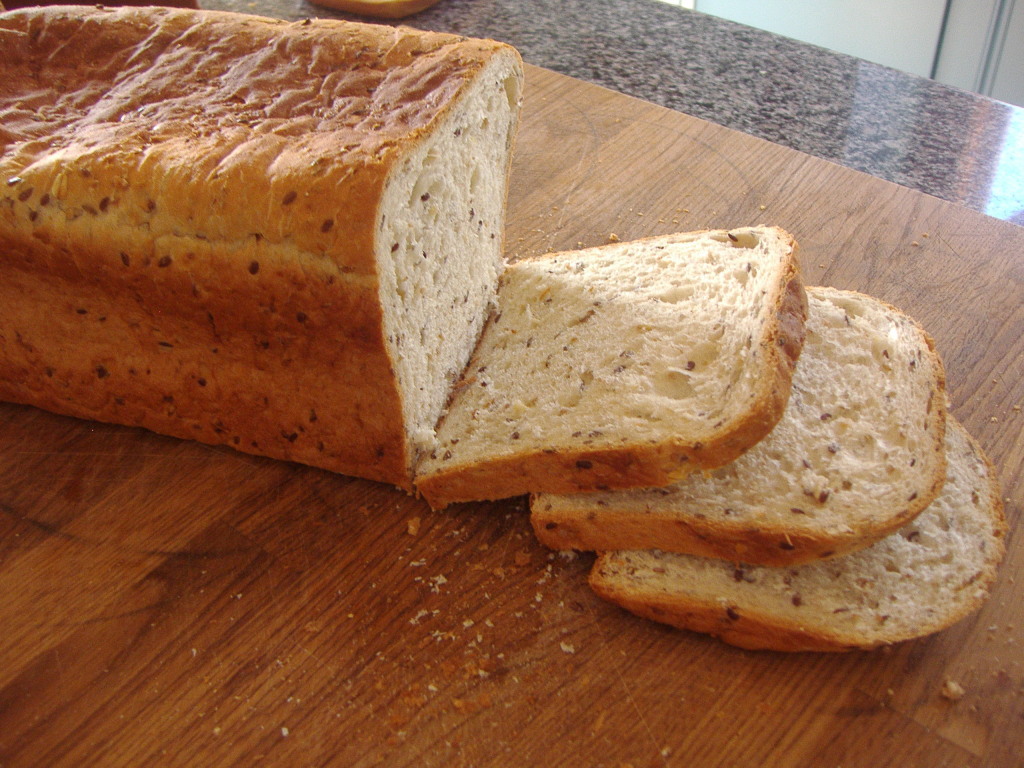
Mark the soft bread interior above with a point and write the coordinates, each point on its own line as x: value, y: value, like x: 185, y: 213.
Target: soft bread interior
x: 439, y: 244
x: 631, y: 343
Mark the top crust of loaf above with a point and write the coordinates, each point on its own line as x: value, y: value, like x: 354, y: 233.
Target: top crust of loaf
x: 931, y: 573
x: 858, y: 453
x: 220, y: 117
x: 510, y: 431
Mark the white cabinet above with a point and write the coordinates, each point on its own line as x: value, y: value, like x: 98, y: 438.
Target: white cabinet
x: 983, y: 48
x: 977, y: 45
x: 904, y: 34
x: 1006, y: 67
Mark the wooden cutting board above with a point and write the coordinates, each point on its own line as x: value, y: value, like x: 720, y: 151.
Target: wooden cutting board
x: 164, y: 603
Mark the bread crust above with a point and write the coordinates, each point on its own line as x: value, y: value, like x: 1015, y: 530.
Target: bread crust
x: 639, y: 464
x: 187, y: 243
x: 747, y: 630
x: 754, y: 628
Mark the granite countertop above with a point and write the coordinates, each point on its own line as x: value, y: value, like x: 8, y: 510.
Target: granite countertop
x: 949, y: 143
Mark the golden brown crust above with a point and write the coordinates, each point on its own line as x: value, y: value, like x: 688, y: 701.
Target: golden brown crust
x: 115, y: 345
x: 569, y: 472
x: 254, y: 129
x: 562, y: 529
x: 720, y: 620
x: 611, y: 529
x: 780, y: 351
x: 637, y: 465
x: 187, y: 218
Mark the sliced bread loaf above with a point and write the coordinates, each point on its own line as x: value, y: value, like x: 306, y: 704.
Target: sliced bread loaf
x: 282, y: 237
x: 625, y: 365
x: 923, y: 578
x: 858, y: 453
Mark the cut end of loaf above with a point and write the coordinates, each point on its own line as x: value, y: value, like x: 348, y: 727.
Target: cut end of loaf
x: 439, y: 243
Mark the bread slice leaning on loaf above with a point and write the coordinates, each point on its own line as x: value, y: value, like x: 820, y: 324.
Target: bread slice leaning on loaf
x: 625, y: 365
x: 931, y: 573
x: 281, y: 237
x: 858, y: 453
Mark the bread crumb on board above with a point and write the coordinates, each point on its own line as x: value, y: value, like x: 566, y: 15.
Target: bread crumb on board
x: 952, y: 690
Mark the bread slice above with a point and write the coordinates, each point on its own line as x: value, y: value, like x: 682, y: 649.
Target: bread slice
x: 858, y: 453
x: 623, y: 365
x: 931, y: 573
x: 282, y: 237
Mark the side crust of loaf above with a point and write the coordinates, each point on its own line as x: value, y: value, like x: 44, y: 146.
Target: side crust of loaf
x: 189, y: 243
x: 755, y: 618
x: 635, y: 463
x: 801, y: 524
x: 113, y: 345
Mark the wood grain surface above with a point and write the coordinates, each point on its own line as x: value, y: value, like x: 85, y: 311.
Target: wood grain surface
x: 164, y: 603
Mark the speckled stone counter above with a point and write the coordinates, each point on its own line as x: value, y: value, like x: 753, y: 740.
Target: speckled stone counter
x: 943, y: 141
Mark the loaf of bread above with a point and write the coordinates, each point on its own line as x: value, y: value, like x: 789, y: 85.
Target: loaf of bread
x: 624, y: 365
x: 931, y: 573
x: 281, y: 237
x: 858, y: 453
